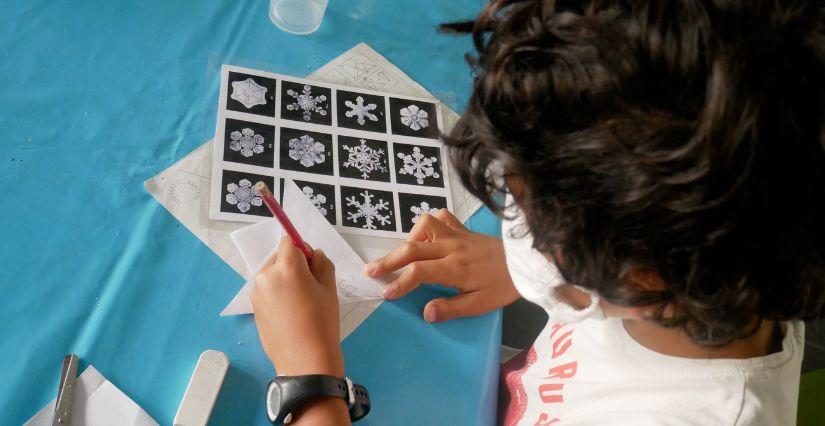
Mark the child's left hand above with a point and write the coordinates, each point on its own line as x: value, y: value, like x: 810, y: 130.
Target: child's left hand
x: 296, y: 311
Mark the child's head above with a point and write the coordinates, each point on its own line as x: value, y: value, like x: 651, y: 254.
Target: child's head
x: 684, y: 139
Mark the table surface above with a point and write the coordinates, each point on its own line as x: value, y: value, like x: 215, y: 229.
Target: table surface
x: 96, y: 97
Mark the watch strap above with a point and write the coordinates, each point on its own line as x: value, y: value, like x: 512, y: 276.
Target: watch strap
x: 295, y: 391
x: 359, y: 405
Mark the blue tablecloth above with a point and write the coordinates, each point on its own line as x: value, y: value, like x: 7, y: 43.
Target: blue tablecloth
x: 96, y: 97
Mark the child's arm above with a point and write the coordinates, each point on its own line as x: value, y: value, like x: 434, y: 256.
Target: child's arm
x: 296, y: 312
x: 441, y: 250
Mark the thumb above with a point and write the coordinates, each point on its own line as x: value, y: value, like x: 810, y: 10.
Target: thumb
x: 322, y: 268
x: 445, y: 309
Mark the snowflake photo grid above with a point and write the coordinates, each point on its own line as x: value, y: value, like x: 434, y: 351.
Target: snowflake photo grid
x: 239, y: 194
x: 305, y: 151
x: 346, y: 148
x: 413, y: 206
x: 369, y: 209
x: 321, y: 195
x: 361, y: 158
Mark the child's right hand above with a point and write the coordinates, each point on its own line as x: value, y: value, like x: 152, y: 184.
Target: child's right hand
x: 441, y: 250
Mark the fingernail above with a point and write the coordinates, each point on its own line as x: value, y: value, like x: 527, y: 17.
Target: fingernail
x: 370, y: 268
x: 388, y: 291
x: 429, y: 314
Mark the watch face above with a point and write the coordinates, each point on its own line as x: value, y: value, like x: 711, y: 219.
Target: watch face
x: 273, y: 401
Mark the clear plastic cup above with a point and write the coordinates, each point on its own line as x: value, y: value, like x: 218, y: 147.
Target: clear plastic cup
x: 297, y: 16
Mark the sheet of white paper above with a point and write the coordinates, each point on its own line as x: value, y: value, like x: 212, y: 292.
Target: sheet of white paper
x: 96, y: 402
x: 258, y: 242
x: 183, y: 188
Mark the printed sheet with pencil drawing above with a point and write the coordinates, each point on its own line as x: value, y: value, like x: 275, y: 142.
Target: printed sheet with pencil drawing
x: 183, y: 188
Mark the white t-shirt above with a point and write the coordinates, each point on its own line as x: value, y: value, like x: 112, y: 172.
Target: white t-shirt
x: 594, y: 373
x: 584, y: 369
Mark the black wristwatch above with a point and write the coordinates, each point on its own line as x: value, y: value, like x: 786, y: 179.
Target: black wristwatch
x: 286, y: 394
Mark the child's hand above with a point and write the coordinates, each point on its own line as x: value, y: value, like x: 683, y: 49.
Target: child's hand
x: 441, y: 250
x: 296, y: 311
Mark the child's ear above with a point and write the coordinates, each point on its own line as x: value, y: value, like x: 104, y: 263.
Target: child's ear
x: 644, y: 278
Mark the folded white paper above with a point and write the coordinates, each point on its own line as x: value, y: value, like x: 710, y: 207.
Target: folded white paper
x: 258, y: 242
x: 96, y: 402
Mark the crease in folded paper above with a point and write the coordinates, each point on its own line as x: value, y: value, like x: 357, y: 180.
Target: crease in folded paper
x: 258, y: 242
x: 97, y: 402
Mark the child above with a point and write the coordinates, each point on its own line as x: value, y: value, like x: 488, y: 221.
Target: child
x: 661, y: 165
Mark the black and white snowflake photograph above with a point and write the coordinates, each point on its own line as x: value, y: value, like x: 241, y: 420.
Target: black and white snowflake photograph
x: 305, y: 151
x: 306, y: 103
x: 368, y: 209
x: 413, y: 206
x: 413, y: 118
x: 249, y: 143
x: 365, y: 159
x: 251, y: 94
x: 360, y: 111
x: 321, y: 195
x: 418, y: 165
x: 238, y: 194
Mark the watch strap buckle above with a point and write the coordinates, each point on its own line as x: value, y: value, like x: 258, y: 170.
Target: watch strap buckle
x: 350, y: 393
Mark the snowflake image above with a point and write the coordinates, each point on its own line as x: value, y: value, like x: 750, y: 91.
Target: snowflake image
x: 247, y: 142
x: 318, y: 200
x: 248, y: 92
x: 416, y: 164
x: 365, y: 159
x: 306, y: 102
x: 368, y: 211
x: 243, y: 195
x: 421, y: 210
x: 306, y: 151
x: 358, y: 109
x: 415, y: 118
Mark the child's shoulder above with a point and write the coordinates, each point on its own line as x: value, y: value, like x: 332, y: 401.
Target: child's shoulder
x: 573, y: 368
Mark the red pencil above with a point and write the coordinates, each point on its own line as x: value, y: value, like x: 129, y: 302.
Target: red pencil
x: 279, y: 214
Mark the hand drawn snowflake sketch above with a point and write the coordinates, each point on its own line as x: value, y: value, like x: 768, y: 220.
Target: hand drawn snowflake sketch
x: 368, y: 211
x: 306, y: 151
x: 318, y: 200
x: 365, y: 159
x: 417, y: 165
x: 248, y: 92
x: 242, y: 195
x: 247, y: 142
x: 420, y: 210
x: 414, y: 117
x: 306, y: 102
x: 358, y: 109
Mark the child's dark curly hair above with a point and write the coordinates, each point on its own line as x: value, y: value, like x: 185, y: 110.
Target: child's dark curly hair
x: 687, y: 137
